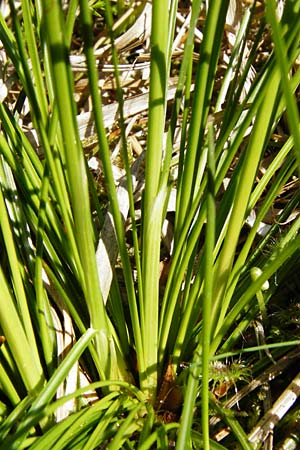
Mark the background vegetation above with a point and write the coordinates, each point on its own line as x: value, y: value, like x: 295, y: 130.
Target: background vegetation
x: 149, y: 220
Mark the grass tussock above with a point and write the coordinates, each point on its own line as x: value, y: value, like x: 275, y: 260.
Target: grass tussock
x: 149, y: 204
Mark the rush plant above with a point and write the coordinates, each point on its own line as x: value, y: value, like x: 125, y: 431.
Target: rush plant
x: 75, y: 324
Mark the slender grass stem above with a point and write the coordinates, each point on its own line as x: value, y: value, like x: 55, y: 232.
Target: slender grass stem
x: 240, y: 205
x: 208, y: 58
x: 154, y: 200
x: 29, y: 367
x: 110, y: 183
x: 11, y: 247
x: 208, y: 287
x: 284, y: 67
x: 35, y: 60
x: 267, y: 272
x: 125, y: 157
x: 75, y: 166
x: 44, y: 314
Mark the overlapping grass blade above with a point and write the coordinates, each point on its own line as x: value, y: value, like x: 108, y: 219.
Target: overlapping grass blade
x: 45, y: 394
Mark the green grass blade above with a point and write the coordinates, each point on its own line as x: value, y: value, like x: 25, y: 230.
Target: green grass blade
x: 236, y: 428
x: 279, y: 257
x: 208, y: 287
x: 154, y: 200
x: 18, y: 275
x: 208, y: 59
x: 30, y: 369
x: 243, y: 190
x: 110, y: 183
x: 29, y: 38
x: 283, y: 64
x: 47, y: 393
x: 75, y: 167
